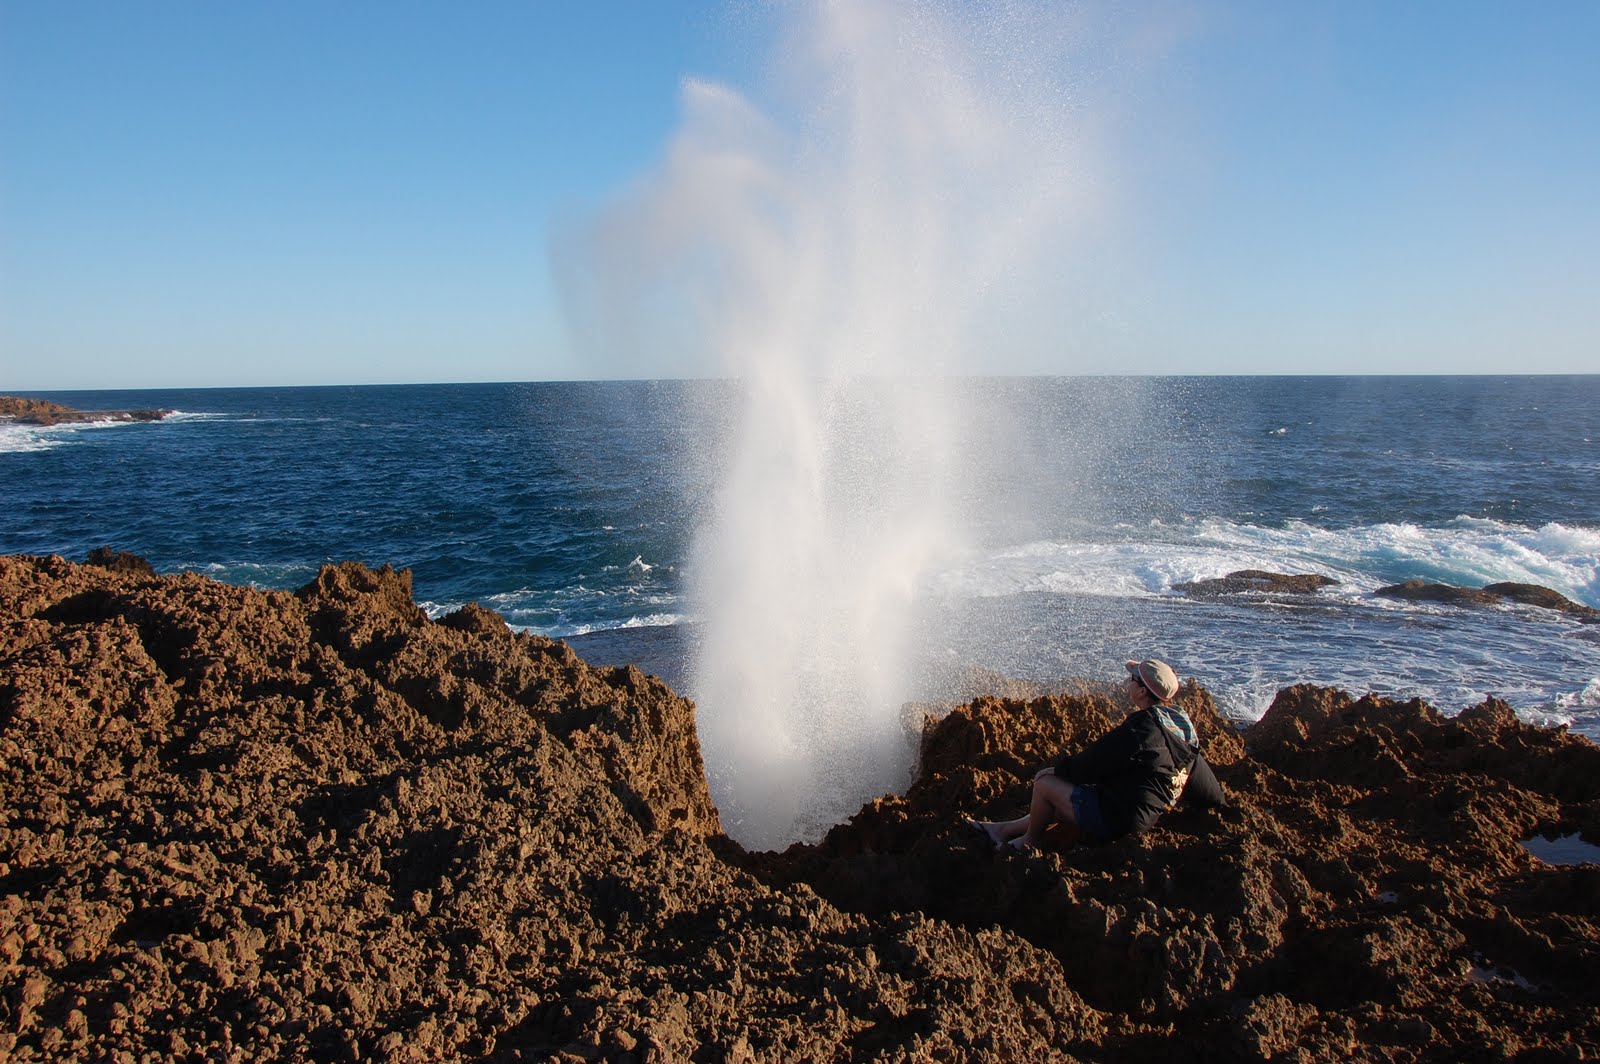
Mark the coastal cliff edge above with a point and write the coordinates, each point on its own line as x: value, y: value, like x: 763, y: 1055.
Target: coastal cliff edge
x: 261, y: 825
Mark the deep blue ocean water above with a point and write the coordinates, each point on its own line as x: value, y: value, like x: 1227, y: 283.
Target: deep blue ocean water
x: 571, y: 509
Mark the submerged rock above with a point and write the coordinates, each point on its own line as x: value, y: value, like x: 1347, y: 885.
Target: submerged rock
x: 1535, y: 595
x: 1258, y: 581
x: 1420, y: 591
x: 1490, y: 595
x: 261, y: 825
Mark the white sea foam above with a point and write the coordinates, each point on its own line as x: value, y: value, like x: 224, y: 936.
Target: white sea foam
x: 19, y: 438
x: 1102, y: 569
x: 1586, y: 698
x: 556, y: 614
x: 1246, y: 697
x: 648, y: 620
x: 253, y: 574
x: 198, y: 415
x: 23, y: 439
x: 515, y: 599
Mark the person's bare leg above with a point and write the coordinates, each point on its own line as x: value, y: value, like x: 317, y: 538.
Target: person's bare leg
x: 1001, y: 832
x: 1052, y: 803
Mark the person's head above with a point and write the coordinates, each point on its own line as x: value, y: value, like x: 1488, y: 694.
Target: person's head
x: 1151, y: 681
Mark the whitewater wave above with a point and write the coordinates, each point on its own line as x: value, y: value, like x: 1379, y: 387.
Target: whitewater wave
x: 649, y: 620
x: 21, y: 439
x: 199, y: 415
x: 1467, y: 552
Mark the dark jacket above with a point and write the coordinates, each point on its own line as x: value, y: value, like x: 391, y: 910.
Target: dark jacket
x: 1133, y: 765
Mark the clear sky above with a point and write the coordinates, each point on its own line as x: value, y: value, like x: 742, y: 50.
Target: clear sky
x: 209, y: 194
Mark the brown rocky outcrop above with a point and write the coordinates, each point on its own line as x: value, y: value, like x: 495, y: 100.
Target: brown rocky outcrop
x: 119, y: 560
x: 1256, y: 581
x: 40, y: 412
x: 1422, y: 591
x: 1489, y: 595
x: 238, y: 824
x: 1536, y: 595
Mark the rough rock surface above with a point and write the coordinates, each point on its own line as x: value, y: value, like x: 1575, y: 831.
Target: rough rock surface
x: 1257, y: 581
x: 255, y: 825
x: 40, y: 412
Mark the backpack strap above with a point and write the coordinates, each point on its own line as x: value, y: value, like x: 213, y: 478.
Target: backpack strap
x: 1175, y: 726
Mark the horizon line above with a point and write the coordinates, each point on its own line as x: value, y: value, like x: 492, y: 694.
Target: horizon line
x: 32, y: 391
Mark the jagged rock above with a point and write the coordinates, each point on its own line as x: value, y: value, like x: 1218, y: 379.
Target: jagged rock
x: 1258, y: 581
x: 238, y: 824
x: 475, y: 618
x: 1492, y: 711
x: 120, y: 561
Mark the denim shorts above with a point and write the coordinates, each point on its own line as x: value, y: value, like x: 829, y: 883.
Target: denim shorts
x: 1086, y: 810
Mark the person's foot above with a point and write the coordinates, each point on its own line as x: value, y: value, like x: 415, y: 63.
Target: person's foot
x: 1022, y: 845
x: 989, y: 828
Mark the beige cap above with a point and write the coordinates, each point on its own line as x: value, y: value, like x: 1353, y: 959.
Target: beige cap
x: 1157, y: 676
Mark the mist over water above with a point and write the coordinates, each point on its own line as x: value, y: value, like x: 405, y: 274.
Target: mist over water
x: 836, y: 256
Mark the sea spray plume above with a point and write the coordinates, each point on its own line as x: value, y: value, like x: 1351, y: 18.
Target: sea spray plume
x: 835, y: 266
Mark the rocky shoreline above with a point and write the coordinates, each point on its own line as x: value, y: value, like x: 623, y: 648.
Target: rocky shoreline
x: 248, y: 825
x: 40, y: 412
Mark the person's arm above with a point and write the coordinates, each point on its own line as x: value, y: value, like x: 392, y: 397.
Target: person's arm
x: 1097, y: 761
x: 1203, y: 789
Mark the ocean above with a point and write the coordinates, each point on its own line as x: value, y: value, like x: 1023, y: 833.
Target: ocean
x: 571, y: 508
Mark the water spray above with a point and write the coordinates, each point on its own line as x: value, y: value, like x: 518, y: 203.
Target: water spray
x: 833, y: 257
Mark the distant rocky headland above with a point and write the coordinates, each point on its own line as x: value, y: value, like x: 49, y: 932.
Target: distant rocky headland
x: 258, y: 825
x: 39, y: 412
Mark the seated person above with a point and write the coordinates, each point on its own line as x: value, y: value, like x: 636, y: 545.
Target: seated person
x: 1127, y: 778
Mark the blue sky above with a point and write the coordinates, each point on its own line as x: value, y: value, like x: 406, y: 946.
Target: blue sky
x: 205, y: 194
